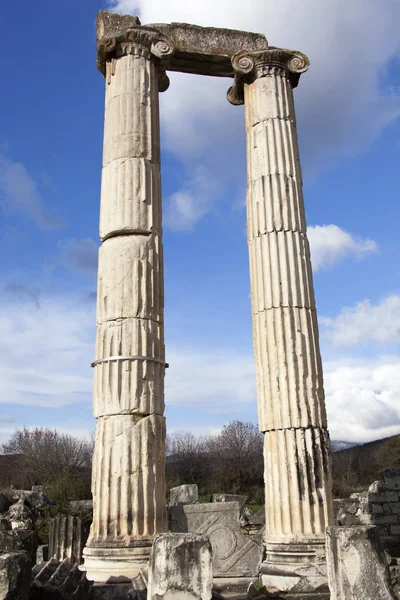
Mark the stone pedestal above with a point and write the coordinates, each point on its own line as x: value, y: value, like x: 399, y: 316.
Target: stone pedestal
x: 128, y: 484
x: 290, y: 391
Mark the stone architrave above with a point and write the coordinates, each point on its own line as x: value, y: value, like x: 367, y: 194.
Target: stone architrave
x: 180, y: 567
x: 234, y: 554
x: 128, y: 481
x: 357, y: 564
x: 290, y: 390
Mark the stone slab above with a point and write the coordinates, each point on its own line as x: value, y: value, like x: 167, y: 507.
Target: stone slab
x: 18, y: 540
x: 184, y: 494
x: 234, y: 554
x: 180, y: 567
x: 230, y: 498
x: 15, y: 576
x: 357, y: 565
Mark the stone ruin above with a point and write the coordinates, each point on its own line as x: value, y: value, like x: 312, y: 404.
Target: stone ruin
x: 129, y: 500
x: 130, y: 519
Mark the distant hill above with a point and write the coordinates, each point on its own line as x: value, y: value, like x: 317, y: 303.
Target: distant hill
x: 355, y: 467
x: 337, y: 445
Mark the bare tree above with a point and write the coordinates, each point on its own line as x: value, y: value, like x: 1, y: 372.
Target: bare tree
x: 42, y: 455
x: 237, y: 457
x: 187, y: 459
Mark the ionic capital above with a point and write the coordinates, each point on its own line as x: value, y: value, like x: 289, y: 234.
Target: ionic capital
x: 249, y: 66
x: 124, y: 43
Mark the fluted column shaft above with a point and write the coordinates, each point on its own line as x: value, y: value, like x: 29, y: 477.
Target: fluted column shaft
x: 128, y: 481
x: 290, y: 392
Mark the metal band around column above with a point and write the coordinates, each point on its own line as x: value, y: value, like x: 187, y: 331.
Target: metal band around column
x: 111, y: 358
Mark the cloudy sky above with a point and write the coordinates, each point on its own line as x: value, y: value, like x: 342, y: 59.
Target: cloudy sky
x: 51, y: 109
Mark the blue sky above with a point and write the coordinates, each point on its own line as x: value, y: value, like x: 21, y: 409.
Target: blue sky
x: 348, y: 106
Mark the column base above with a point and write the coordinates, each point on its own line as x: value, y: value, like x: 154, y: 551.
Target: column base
x: 295, y: 567
x: 115, y: 565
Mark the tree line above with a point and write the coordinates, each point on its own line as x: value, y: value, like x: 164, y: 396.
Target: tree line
x: 229, y: 462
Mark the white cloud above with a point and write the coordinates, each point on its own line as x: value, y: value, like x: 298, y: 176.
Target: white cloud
x: 363, y: 399
x: 329, y: 244
x: 20, y: 194
x: 46, y: 345
x: 217, y: 379
x: 365, y: 322
x: 342, y: 104
x: 194, y: 200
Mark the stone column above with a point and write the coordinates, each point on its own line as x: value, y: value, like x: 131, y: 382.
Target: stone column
x: 290, y: 390
x: 128, y: 482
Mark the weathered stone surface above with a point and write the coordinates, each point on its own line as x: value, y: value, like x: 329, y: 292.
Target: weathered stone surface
x: 131, y: 197
x: 177, y: 519
x: 67, y: 538
x: 201, y: 50
x: 15, y: 576
x: 180, y: 567
x: 357, y: 564
x: 230, y: 498
x: 184, y: 494
x: 36, y: 500
x: 130, y: 456
x: 60, y: 581
x: 290, y: 390
x: 128, y: 482
x: 5, y: 503
x: 18, y: 540
x: 117, y: 591
x: 234, y: 554
x: 81, y: 507
x: 131, y: 451
x: 129, y: 284
x: 42, y: 553
x: 20, y: 516
x: 129, y: 386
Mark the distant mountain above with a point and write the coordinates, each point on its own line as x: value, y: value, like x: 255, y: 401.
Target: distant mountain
x: 337, y: 445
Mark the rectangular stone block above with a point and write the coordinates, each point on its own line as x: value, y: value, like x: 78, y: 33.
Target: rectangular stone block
x: 15, y: 576
x: 394, y: 507
x: 184, y: 494
x: 395, y: 529
x: 180, y: 567
x: 357, y: 566
x: 234, y: 554
x: 377, y: 508
x: 384, y: 519
x: 230, y: 498
x: 383, y: 497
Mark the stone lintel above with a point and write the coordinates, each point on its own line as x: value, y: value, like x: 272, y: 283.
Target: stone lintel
x: 198, y: 50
